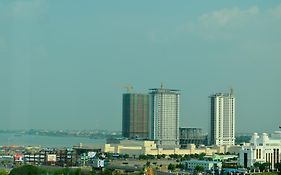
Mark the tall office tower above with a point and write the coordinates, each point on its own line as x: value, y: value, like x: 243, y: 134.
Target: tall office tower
x: 222, y: 119
x: 135, y: 115
x: 164, y: 120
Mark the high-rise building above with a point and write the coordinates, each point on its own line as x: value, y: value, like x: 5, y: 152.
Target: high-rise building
x: 164, y: 120
x: 222, y: 119
x: 135, y: 115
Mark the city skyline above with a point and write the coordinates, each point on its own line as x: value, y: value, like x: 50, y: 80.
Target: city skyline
x: 63, y: 62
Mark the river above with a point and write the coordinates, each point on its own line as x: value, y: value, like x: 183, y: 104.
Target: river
x: 9, y: 139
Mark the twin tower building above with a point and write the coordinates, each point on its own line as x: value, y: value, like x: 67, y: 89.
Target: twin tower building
x: 155, y: 116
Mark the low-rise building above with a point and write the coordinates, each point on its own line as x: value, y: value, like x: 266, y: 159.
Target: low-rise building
x: 60, y: 157
x: 262, y: 149
x: 138, y: 147
x: 207, y: 165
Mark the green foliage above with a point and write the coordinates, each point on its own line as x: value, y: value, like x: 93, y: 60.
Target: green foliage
x: 257, y: 164
x: 160, y: 156
x: 265, y: 173
x: 201, y: 156
x: 180, y: 166
x: 33, y: 170
x: 126, y: 156
x: 262, y: 166
x: 142, y: 157
x: 186, y: 157
x: 26, y: 170
x: 106, y: 172
x: 3, y: 172
x: 199, y: 168
x: 171, y: 167
x: 146, y: 157
x: 278, y: 166
x: 147, y: 164
x: 175, y: 156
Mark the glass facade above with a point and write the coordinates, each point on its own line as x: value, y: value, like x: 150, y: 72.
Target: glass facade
x: 135, y: 115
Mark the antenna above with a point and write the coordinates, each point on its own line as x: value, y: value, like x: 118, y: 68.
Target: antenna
x: 231, y: 91
x: 129, y: 88
x: 161, y: 85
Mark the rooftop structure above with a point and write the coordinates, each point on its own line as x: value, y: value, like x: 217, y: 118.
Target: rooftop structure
x: 192, y: 136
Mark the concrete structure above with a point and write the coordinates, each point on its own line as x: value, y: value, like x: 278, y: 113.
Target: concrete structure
x: 145, y: 147
x: 208, y: 166
x: 135, y: 115
x: 192, y: 136
x: 261, y: 148
x: 59, y: 157
x: 222, y: 119
x: 164, y: 127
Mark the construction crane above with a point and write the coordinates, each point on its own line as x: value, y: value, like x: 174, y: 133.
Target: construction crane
x: 129, y: 88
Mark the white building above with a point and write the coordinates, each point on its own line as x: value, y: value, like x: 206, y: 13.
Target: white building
x: 207, y: 165
x: 261, y: 149
x: 222, y: 119
x: 164, y: 120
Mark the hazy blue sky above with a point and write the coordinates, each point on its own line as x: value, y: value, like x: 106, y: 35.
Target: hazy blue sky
x: 63, y: 63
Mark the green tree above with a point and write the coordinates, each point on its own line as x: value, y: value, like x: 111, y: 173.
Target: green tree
x: 126, y: 156
x: 201, y: 156
x: 186, y: 157
x: 257, y: 165
x: 278, y: 166
x: 27, y: 170
x: 160, y: 156
x: 149, y: 156
x: 199, y: 169
x: 180, y: 166
x: 147, y: 164
x: 265, y: 166
x: 171, y: 167
x: 107, y: 172
x: 142, y: 157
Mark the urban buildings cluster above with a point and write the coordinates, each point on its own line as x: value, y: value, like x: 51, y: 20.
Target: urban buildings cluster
x: 150, y: 124
x: 156, y: 116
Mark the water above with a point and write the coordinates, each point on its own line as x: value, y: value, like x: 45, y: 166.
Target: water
x: 9, y: 139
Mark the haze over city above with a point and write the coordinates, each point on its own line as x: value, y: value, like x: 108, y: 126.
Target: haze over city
x: 63, y: 64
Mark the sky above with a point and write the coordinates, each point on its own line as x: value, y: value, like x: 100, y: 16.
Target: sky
x: 64, y: 64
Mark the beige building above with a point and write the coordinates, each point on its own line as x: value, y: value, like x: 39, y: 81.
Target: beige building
x: 138, y: 147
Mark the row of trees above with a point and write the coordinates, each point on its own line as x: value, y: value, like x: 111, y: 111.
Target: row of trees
x: 174, y: 156
x: 35, y: 170
x: 267, y: 165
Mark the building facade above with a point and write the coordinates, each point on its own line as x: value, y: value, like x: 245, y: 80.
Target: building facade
x: 135, y: 115
x: 222, y: 119
x: 261, y: 149
x: 164, y: 120
x: 209, y: 166
x: 192, y: 136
